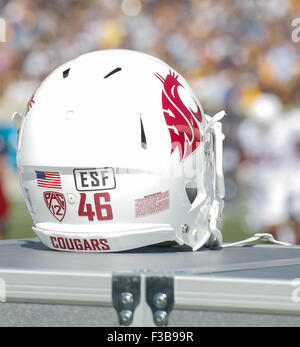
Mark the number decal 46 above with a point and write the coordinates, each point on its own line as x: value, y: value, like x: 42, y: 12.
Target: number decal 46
x: 99, y: 208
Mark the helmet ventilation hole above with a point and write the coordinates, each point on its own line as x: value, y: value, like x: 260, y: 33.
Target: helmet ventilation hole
x: 143, y: 136
x: 113, y: 72
x: 66, y: 73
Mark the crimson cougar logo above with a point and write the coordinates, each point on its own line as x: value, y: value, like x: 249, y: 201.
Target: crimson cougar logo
x: 56, y: 204
x: 182, y: 121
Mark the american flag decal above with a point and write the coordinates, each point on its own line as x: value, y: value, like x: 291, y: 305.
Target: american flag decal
x: 47, y: 179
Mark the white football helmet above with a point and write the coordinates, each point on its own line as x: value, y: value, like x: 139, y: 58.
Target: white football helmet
x: 115, y: 152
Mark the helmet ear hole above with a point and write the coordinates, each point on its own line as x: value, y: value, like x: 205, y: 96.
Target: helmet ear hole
x: 191, y: 190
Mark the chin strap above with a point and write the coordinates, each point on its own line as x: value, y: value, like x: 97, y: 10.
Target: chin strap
x: 258, y: 237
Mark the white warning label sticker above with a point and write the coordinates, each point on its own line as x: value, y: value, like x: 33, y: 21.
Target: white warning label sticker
x: 151, y: 204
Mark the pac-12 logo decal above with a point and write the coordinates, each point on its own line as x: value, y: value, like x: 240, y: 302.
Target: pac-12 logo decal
x: 182, y: 121
x: 56, y: 204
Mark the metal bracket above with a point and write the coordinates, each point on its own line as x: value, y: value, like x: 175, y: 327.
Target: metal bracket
x: 126, y: 296
x: 160, y: 297
x: 154, y: 294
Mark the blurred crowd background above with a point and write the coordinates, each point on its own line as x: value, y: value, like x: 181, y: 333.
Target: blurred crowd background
x: 230, y: 51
